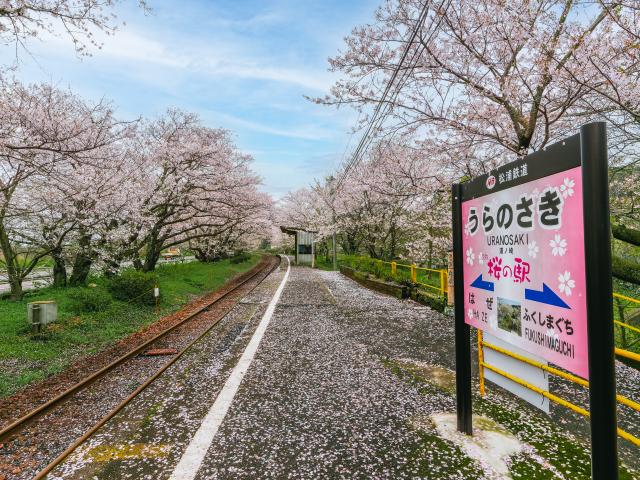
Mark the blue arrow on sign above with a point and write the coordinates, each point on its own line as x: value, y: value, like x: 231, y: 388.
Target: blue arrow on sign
x: 482, y: 284
x: 547, y: 296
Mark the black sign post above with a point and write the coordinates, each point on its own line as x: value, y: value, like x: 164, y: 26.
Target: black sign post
x: 597, y: 242
x: 589, y: 151
x: 462, y: 330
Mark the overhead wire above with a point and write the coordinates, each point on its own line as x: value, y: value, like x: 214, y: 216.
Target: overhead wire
x: 376, y: 120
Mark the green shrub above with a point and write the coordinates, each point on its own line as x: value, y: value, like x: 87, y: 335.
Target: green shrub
x: 86, y: 300
x: 387, y: 276
x: 437, y: 303
x: 134, y: 286
x: 241, y: 257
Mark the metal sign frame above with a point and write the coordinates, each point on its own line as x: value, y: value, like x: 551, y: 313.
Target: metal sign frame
x: 587, y: 149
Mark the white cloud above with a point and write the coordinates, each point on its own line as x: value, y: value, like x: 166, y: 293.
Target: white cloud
x: 305, y: 132
x: 259, y: 20
x: 306, y: 79
x: 135, y: 49
x: 128, y: 45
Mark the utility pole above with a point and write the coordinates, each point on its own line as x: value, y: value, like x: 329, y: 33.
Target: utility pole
x: 335, y: 252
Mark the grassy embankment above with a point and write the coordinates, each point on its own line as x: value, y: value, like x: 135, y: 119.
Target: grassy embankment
x: 381, y: 269
x: 25, y: 358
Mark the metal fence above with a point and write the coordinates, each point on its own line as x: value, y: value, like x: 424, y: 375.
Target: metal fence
x: 434, y: 279
x: 622, y: 304
x: 482, y: 344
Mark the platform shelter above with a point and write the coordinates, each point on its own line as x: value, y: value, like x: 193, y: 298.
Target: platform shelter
x: 304, y: 244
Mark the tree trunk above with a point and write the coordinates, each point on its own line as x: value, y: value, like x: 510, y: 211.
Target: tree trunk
x: 111, y: 269
x: 154, y: 248
x: 16, y: 288
x: 81, y: 264
x: 349, y: 244
x: 625, y: 270
x: 200, y: 255
x: 151, y: 259
x: 14, y: 275
x: 81, y: 270
x: 59, y: 269
x: 626, y: 234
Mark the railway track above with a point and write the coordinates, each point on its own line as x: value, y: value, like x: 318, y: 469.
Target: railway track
x: 122, y: 380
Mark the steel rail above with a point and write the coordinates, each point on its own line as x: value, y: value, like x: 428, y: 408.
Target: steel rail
x: 69, y: 450
x: 10, y: 430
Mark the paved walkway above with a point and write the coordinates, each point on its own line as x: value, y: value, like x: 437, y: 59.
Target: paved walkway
x: 341, y: 386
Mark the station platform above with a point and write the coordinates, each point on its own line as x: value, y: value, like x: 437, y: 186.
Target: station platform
x: 311, y: 376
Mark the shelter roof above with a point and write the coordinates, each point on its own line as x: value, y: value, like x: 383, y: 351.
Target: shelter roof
x: 293, y: 230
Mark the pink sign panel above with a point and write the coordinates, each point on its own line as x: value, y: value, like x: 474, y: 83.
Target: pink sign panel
x: 524, y: 267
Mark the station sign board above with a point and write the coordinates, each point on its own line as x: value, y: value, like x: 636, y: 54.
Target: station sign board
x: 524, y: 255
x: 532, y: 267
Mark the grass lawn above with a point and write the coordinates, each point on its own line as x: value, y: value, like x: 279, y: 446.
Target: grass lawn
x: 25, y: 358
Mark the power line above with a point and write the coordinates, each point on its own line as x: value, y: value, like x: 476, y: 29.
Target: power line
x: 365, y: 140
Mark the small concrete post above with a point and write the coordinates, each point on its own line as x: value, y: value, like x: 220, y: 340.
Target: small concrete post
x: 156, y: 296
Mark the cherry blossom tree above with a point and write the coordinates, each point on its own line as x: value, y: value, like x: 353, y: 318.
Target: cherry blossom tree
x: 389, y: 206
x: 195, y: 182
x: 94, y: 197
x: 22, y: 20
x: 487, y: 80
x: 45, y: 134
x: 89, y: 191
x: 251, y: 222
x: 482, y: 83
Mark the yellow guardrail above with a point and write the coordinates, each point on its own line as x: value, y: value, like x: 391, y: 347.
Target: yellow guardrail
x: 442, y: 275
x: 622, y: 352
x: 558, y: 400
x: 624, y: 297
x: 559, y: 373
x: 554, y: 371
x: 626, y: 325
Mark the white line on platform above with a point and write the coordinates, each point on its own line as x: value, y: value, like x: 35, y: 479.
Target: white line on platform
x: 193, y: 456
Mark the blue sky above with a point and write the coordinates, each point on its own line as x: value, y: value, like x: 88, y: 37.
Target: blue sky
x: 242, y: 65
